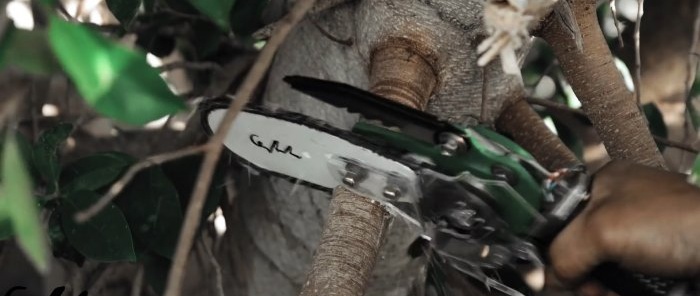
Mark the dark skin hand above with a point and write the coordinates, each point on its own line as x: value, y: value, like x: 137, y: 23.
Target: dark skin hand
x: 645, y: 219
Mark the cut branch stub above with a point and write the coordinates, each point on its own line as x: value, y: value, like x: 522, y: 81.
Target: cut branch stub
x: 599, y: 85
x: 356, y: 224
x: 399, y: 73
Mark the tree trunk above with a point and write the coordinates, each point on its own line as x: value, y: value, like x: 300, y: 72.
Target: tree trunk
x: 283, y: 221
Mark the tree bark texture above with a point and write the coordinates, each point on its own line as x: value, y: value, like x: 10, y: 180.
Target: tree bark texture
x: 600, y: 87
x: 281, y: 221
x: 399, y: 72
x: 526, y: 128
x: 349, y: 246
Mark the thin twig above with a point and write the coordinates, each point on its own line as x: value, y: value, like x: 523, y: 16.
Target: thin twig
x: 637, y: 53
x: 118, y: 186
x: 219, y: 279
x: 690, y: 77
x: 211, y: 157
x: 482, y: 115
x: 190, y: 66
x: 555, y: 105
x: 613, y: 9
x: 137, y: 286
x: 565, y: 108
x: 693, y: 56
x: 674, y: 144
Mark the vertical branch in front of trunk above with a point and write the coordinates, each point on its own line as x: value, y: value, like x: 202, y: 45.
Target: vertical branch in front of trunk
x: 356, y: 224
x: 596, y: 81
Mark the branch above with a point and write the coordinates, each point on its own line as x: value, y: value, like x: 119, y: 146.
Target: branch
x: 213, y: 152
x: 190, y: 66
x: 565, y: 108
x: 556, y: 106
x: 519, y: 121
x: 118, y: 186
x: 693, y: 56
x: 600, y: 87
x: 637, y: 53
x: 613, y: 8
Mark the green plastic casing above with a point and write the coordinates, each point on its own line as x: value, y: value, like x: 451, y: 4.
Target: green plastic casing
x: 516, y: 203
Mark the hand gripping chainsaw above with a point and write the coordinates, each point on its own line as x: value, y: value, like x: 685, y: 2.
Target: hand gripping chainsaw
x: 486, y: 208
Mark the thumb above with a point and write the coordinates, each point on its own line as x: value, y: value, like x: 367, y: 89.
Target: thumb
x: 573, y: 252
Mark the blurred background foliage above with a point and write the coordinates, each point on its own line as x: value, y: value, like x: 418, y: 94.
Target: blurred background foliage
x: 92, y: 86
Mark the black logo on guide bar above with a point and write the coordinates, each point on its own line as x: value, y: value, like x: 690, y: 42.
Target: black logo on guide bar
x: 274, y: 146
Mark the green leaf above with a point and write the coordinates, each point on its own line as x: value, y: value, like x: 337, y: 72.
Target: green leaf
x: 21, y: 206
x: 694, y: 177
x: 5, y: 229
x: 94, y: 172
x: 59, y: 242
x: 124, y: 10
x: 156, y: 270
x: 656, y: 122
x: 113, y: 79
x: 105, y: 237
x: 28, y: 51
x: 183, y: 174
x: 246, y: 16
x: 152, y: 208
x: 45, y: 153
x: 148, y: 5
x: 216, y: 10
x: 5, y: 222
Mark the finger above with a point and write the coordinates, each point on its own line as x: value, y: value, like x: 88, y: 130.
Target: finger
x: 573, y: 253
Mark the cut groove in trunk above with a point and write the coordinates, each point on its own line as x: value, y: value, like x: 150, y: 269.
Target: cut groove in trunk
x: 599, y: 85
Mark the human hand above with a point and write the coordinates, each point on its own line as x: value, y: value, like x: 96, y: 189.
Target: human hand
x: 645, y: 219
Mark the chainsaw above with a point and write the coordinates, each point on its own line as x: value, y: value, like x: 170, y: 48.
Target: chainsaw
x: 485, y: 207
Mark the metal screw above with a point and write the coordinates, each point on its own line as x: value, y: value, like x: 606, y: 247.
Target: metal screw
x: 505, y: 174
x: 354, y: 174
x: 392, y: 191
x: 451, y: 144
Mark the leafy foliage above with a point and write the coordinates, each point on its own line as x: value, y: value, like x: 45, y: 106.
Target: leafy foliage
x: 45, y: 153
x: 216, y: 10
x: 144, y: 221
x: 115, y: 80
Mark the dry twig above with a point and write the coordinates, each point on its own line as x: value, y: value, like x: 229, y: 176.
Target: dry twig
x: 211, y: 157
x: 118, y: 186
x: 137, y: 286
x: 613, y: 9
x: 565, y: 108
x: 190, y: 66
x: 637, y: 54
x: 693, y: 56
